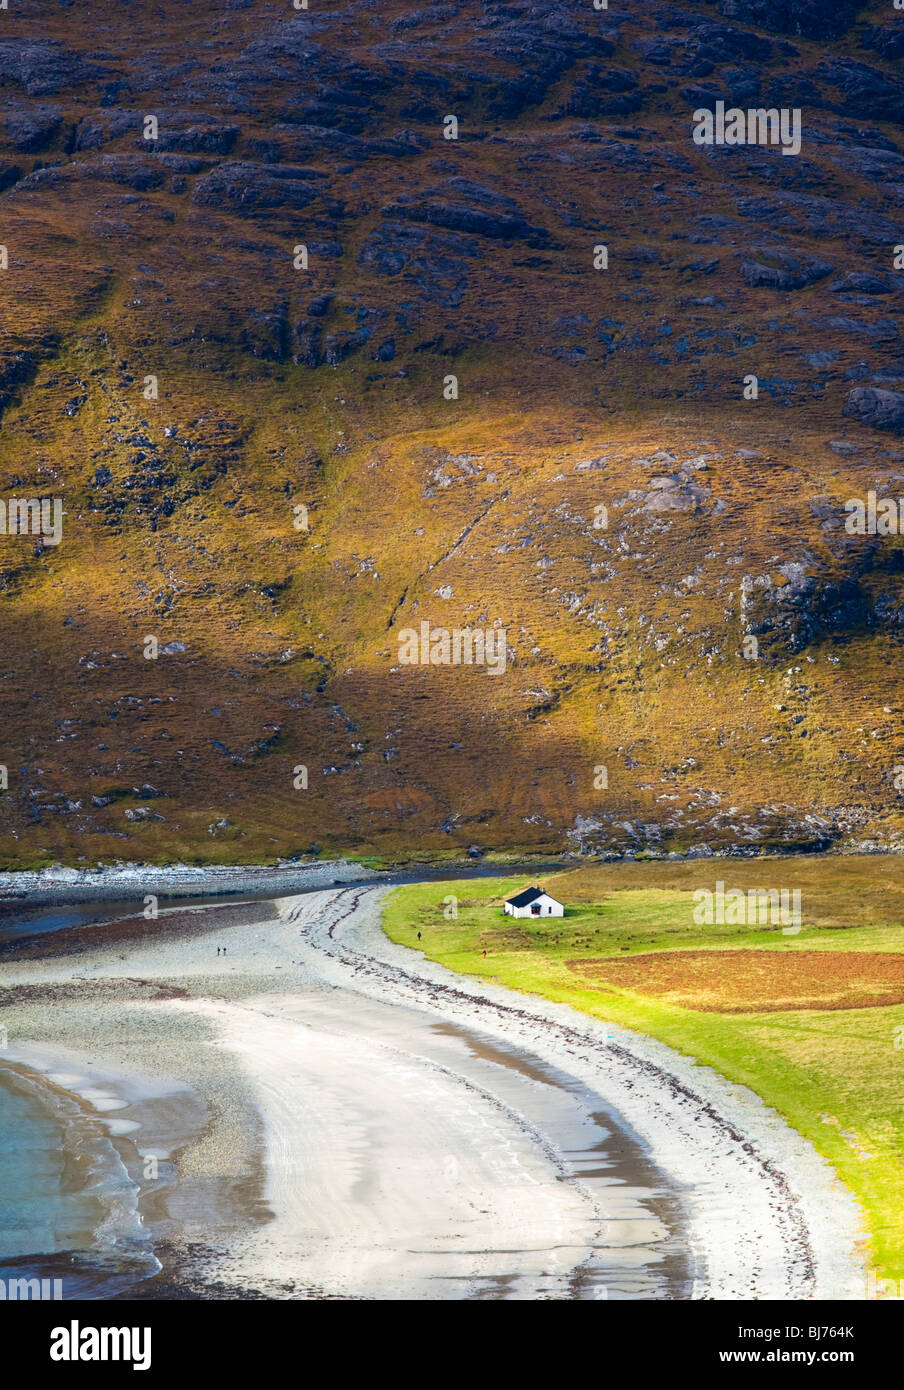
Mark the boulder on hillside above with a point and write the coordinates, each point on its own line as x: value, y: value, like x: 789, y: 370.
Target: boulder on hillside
x: 32, y: 130
x: 499, y: 219
x: 861, y: 282
x: 884, y: 410
x: 43, y: 68
x: 778, y: 269
x: 250, y: 190
x: 810, y: 18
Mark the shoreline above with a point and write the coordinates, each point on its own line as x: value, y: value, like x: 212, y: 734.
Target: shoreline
x: 62, y: 885
x: 320, y: 1048
x: 755, y: 1183
x: 256, y: 1031
x: 94, y: 1239
x: 27, y: 889
x: 141, y: 1116
x: 46, y: 887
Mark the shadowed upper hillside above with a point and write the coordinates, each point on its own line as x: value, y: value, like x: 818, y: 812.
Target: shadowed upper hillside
x: 698, y: 652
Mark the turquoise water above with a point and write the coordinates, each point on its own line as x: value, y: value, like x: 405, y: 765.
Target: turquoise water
x: 68, y: 1208
x: 36, y: 1216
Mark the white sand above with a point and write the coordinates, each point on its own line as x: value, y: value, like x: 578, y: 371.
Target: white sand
x: 403, y: 1163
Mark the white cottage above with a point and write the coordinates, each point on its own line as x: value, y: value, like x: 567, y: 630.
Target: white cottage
x: 533, y: 902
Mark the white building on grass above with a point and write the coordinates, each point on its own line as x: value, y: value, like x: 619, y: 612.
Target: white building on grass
x: 533, y: 902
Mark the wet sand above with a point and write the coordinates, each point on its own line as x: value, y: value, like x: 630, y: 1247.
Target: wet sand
x: 333, y: 1118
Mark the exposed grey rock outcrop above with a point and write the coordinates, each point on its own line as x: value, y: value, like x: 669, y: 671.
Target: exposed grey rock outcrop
x: 884, y: 410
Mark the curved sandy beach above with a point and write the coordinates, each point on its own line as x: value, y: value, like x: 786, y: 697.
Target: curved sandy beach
x: 385, y: 1129
x: 766, y: 1216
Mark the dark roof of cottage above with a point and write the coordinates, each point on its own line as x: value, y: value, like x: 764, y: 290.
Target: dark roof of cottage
x: 528, y: 895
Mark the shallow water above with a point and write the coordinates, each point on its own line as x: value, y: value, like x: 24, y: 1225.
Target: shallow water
x: 17, y: 923
x: 19, y: 920
x: 68, y: 1208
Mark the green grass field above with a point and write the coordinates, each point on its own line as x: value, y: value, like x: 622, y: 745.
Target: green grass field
x: 834, y: 1072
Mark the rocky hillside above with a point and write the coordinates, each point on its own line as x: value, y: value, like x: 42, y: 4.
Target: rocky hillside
x: 244, y: 265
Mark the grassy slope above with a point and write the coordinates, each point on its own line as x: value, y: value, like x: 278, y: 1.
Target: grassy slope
x: 625, y: 644
x: 835, y: 1075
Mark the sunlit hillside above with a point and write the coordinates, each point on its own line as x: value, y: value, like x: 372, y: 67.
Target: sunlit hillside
x: 309, y: 483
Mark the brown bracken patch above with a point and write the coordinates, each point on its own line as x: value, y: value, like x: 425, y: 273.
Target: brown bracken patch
x: 739, y: 982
